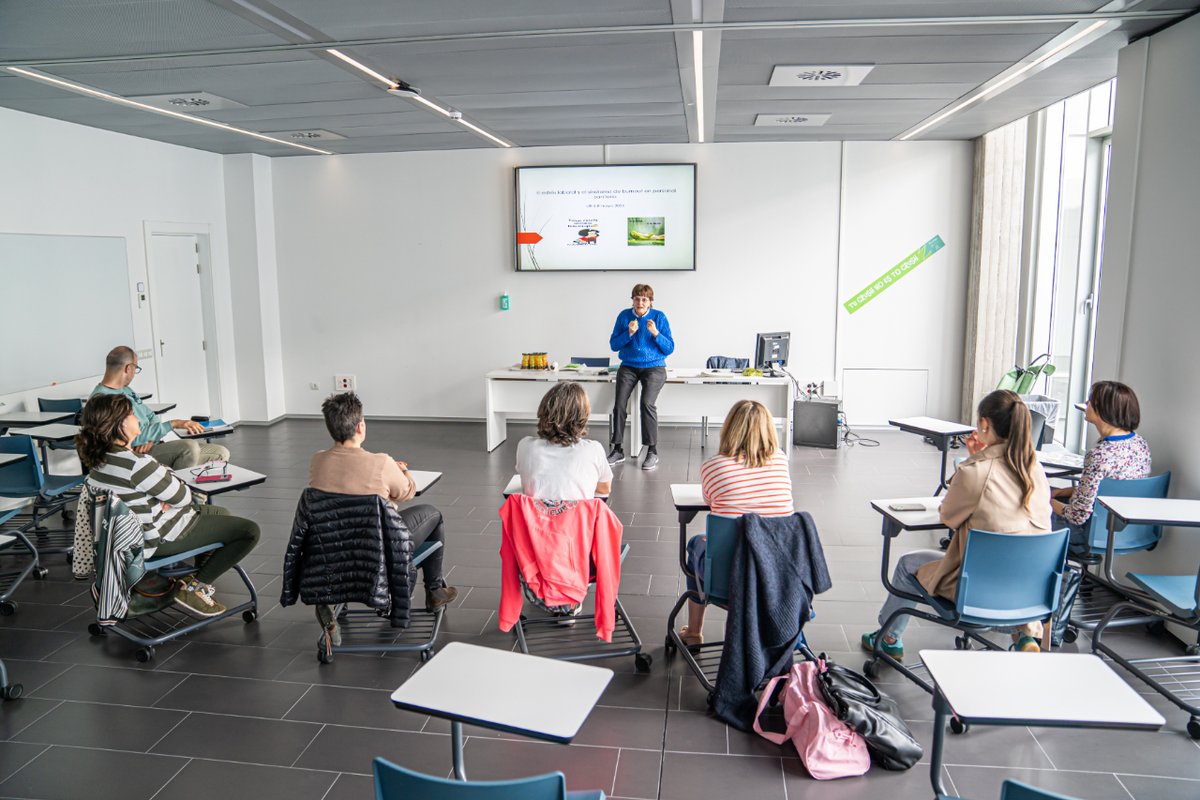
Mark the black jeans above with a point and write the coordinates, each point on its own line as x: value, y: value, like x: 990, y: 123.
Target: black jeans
x: 425, y: 525
x: 652, y: 380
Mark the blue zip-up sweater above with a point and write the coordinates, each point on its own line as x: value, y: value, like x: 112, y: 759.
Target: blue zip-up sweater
x: 642, y: 350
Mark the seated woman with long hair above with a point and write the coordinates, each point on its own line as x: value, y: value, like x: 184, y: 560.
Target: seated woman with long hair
x: 560, y: 463
x: 999, y: 488
x: 171, y: 521
x: 748, y: 475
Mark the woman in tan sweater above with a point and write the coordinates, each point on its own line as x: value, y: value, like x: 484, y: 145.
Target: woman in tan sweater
x: 999, y: 488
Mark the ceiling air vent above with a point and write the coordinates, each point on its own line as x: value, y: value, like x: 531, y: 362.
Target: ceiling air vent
x: 189, y: 101
x: 790, y: 120
x: 820, y: 75
x: 309, y: 135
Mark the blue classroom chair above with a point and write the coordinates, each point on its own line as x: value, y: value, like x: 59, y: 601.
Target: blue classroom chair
x: 1015, y: 790
x: 1006, y: 580
x: 74, y: 404
x: 393, y: 782
x: 49, y: 494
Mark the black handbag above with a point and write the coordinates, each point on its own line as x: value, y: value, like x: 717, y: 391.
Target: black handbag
x: 872, y: 714
x: 1068, y: 593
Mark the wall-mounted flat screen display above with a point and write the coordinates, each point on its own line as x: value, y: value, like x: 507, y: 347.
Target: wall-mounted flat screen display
x: 638, y: 217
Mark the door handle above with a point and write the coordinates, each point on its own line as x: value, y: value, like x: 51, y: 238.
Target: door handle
x: 161, y: 345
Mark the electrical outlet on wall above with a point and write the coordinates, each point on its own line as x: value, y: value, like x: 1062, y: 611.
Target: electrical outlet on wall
x: 145, y: 353
x: 316, y: 387
x: 343, y: 383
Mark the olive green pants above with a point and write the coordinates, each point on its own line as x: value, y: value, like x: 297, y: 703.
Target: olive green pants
x: 214, y: 524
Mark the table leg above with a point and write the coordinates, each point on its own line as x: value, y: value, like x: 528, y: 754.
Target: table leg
x: 939, y: 736
x: 44, y: 447
x: 943, y: 445
x: 456, y: 740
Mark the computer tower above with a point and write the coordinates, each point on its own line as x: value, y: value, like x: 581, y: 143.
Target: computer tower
x: 815, y: 423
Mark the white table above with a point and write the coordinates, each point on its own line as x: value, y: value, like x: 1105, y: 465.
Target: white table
x: 538, y: 697
x: 161, y: 408
x: 687, y: 395
x: 242, y: 479
x: 207, y: 434
x: 1062, y: 690
x: 45, y: 434
x: 423, y: 479
x: 1060, y: 463
x: 689, y: 501
x: 941, y: 431
x: 11, y: 458
x: 28, y: 419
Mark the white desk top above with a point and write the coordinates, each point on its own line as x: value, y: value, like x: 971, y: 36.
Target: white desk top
x: 688, y: 497
x: 55, y: 432
x: 161, y: 408
x: 11, y: 458
x: 510, y: 374
x: 1153, y: 510
x: 13, y: 418
x: 218, y: 430
x: 241, y: 479
x: 932, y: 426
x: 1060, y: 459
x: 1050, y: 689
x: 424, y: 479
x: 539, y: 697
x: 514, y: 487
x: 928, y: 519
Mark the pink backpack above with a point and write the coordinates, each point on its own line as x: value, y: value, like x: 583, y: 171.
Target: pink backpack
x: 828, y: 747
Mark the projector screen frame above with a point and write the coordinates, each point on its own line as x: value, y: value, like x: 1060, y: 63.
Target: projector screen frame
x: 517, y: 214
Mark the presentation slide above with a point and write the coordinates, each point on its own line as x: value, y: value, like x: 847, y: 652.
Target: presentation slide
x: 631, y: 217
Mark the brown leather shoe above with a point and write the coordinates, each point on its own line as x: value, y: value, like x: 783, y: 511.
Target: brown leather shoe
x: 439, y: 597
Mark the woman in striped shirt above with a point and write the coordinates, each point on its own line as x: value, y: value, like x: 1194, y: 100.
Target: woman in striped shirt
x: 171, y: 521
x: 748, y: 475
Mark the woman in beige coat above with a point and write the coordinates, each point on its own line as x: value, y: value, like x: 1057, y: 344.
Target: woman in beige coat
x: 1000, y: 488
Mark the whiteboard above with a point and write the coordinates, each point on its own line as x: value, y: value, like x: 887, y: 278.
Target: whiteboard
x: 67, y: 303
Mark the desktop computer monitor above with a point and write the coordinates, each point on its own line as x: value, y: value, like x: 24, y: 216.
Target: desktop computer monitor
x: 771, y: 350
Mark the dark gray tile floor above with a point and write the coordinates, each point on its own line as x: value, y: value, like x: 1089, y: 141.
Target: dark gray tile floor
x: 246, y: 711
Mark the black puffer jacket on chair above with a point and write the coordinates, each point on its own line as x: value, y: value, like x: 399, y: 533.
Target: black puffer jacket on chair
x: 348, y: 548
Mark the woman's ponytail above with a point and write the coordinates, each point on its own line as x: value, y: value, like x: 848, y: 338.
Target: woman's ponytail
x: 1011, y: 420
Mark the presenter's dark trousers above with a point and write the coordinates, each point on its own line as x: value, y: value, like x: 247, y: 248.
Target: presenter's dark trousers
x: 652, y: 380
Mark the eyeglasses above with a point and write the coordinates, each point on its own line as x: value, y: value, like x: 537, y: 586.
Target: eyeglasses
x: 212, y: 468
x: 137, y: 368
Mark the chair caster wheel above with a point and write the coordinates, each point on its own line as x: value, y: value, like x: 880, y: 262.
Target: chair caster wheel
x: 323, y: 656
x: 1193, y: 650
x: 642, y: 662
x: 1070, y: 635
x: 1193, y: 727
x: 13, y: 691
x: 426, y: 655
x: 962, y: 643
x: 96, y: 629
x: 8, y: 608
x: 871, y: 669
x: 958, y: 726
x: 1156, y: 628
x: 40, y: 573
x: 144, y: 654
x: 249, y: 616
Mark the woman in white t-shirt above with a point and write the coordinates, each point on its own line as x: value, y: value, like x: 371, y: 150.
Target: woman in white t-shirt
x: 559, y: 463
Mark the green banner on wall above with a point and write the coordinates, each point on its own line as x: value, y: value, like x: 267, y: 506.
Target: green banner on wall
x: 894, y: 274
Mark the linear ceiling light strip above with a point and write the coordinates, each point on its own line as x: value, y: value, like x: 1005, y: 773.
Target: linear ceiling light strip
x: 124, y: 101
x: 403, y: 90
x: 698, y: 68
x: 998, y: 84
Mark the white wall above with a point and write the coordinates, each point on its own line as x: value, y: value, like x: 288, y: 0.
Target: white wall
x: 391, y: 265
x: 1148, y: 328
x: 62, y: 178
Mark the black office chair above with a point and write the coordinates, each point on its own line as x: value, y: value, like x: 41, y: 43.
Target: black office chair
x: 726, y: 362
x: 590, y: 362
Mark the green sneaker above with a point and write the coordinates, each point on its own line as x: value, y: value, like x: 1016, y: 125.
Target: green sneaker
x: 197, y: 598
x: 894, y: 649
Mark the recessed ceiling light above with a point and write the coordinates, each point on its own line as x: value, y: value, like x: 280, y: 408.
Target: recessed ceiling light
x: 814, y: 75
x: 125, y: 101
x: 790, y: 120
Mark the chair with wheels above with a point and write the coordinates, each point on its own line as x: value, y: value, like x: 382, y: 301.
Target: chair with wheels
x: 74, y: 404
x: 713, y: 589
x: 1098, y: 593
x: 14, y: 543
x: 1165, y: 599
x: 49, y: 494
x: 394, y: 782
x: 1015, y: 790
x: 1006, y: 580
x: 329, y: 526
x: 160, y: 622
x: 726, y: 362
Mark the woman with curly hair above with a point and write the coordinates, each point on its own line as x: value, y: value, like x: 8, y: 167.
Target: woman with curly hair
x: 559, y: 463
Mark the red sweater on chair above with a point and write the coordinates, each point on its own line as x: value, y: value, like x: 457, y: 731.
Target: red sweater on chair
x: 553, y: 544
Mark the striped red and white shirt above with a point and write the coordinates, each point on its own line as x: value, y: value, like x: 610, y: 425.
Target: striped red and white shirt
x: 732, y: 489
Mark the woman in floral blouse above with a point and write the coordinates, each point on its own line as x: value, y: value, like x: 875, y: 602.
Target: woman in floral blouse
x: 1120, y: 454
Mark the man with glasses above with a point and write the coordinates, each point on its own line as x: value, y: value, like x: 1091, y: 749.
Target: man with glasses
x: 120, y: 367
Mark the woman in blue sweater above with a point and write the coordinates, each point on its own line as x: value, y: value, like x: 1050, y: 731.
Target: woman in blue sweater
x: 642, y: 339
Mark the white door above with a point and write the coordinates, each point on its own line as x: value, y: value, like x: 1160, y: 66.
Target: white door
x: 178, y: 317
